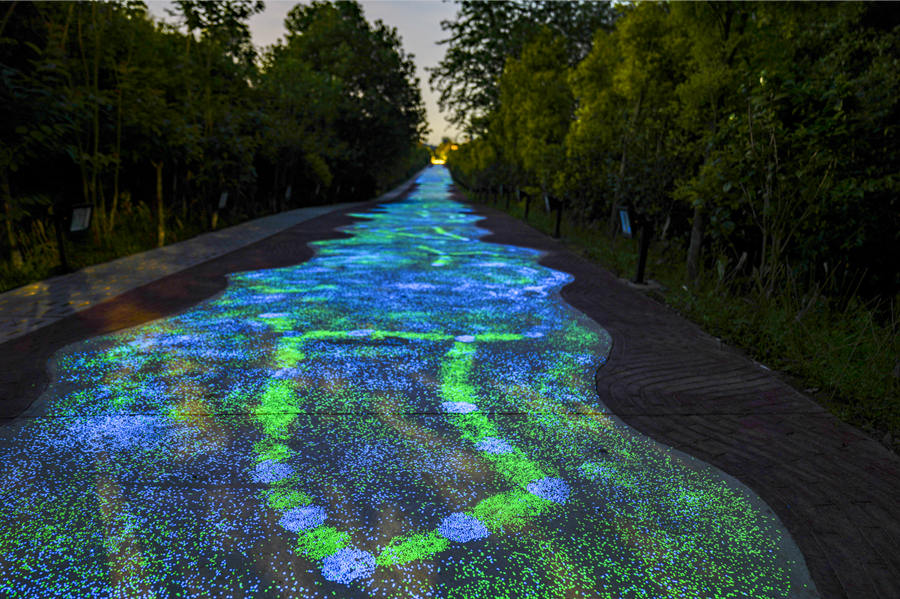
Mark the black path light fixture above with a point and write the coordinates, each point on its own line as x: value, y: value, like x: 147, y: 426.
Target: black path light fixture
x: 628, y: 221
x: 552, y: 203
x: 558, y: 204
x: 76, y: 222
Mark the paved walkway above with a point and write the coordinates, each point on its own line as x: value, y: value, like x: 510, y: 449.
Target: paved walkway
x: 836, y: 489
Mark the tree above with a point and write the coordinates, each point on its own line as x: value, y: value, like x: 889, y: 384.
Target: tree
x: 536, y: 108
x: 380, y: 115
x: 622, y: 131
x: 485, y: 34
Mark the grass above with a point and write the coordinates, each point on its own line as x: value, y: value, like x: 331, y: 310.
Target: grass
x: 842, y: 352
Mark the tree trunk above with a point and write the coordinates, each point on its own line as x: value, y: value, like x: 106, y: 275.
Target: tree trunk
x: 693, y: 256
x: 14, y: 254
x: 160, y: 209
x: 559, y: 210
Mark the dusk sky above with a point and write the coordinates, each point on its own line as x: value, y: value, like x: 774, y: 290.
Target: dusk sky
x: 417, y: 21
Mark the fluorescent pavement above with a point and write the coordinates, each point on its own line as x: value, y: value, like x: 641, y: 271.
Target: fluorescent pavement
x: 411, y: 413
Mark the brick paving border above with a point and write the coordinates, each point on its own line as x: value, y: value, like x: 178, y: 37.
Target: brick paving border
x: 836, y: 490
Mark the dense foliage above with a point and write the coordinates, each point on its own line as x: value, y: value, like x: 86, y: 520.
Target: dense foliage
x: 760, y: 138
x: 151, y: 123
x: 487, y: 32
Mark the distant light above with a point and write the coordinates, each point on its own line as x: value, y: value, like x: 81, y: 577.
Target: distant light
x: 454, y: 147
x: 435, y: 160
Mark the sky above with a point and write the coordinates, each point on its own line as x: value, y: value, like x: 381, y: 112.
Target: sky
x: 417, y: 21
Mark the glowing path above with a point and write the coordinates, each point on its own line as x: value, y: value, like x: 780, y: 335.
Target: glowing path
x: 409, y: 414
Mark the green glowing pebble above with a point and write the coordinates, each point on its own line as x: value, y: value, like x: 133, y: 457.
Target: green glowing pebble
x: 276, y: 452
x: 275, y: 407
x: 285, y: 499
x: 455, y: 373
x: 288, y: 354
x: 473, y: 426
x: 430, y: 250
x: 578, y: 338
x: 442, y: 231
x: 487, y: 337
x: 406, y: 549
x: 321, y: 542
x: 280, y: 325
x: 509, y: 511
x: 516, y: 468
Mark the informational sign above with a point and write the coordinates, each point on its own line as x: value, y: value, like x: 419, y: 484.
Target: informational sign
x: 625, y: 220
x: 223, y: 200
x: 81, y: 218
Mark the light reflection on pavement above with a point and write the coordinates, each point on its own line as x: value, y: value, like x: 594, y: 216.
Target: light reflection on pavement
x: 411, y: 413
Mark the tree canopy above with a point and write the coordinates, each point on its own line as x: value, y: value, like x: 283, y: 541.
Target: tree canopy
x: 485, y: 33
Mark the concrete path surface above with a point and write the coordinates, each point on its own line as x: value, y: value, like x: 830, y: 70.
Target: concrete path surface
x: 403, y: 410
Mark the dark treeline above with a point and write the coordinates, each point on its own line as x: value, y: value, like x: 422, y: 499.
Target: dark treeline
x: 152, y: 123
x: 760, y: 138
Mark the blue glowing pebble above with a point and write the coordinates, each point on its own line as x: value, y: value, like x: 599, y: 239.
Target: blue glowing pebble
x: 361, y: 333
x: 458, y: 407
x: 462, y: 528
x: 551, y: 489
x: 465, y: 338
x: 347, y: 565
x: 286, y: 373
x: 270, y: 471
x: 302, y: 518
x: 494, y: 445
